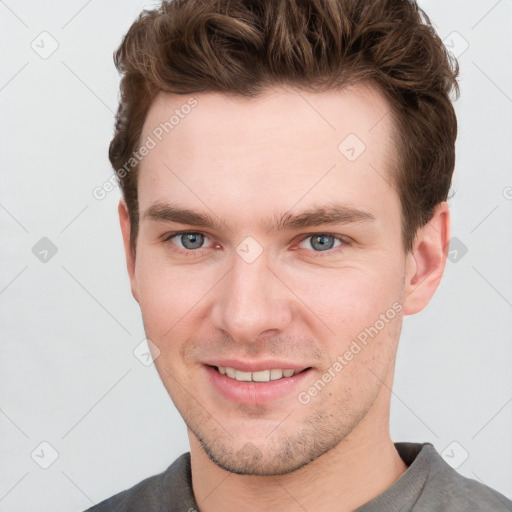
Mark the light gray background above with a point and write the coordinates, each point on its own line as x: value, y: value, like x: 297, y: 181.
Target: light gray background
x: 70, y: 326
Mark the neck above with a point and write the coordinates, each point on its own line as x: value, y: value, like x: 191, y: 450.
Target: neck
x: 357, y: 470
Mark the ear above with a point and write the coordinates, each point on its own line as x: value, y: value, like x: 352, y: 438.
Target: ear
x: 124, y: 220
x: 426, y: 262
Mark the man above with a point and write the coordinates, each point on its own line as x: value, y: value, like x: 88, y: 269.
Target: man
x: 285, y: 167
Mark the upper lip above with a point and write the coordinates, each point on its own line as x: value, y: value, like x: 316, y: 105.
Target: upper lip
x: 256, y: 366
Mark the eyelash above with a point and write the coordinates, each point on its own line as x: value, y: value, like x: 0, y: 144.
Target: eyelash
x: 190, y: 252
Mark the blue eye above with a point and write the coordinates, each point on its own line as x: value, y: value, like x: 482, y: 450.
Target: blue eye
x: 321, y: 242
x: 186, y: 241
x: 191, y: 240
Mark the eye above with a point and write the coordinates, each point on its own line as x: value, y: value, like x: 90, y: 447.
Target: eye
x: 186, y: 241
x: 322, y: 242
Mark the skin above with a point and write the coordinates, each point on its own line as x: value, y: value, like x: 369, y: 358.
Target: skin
x: 245, y: 161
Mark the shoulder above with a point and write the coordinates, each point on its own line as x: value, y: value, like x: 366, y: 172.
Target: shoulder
x: 446, y: 489
x: 152, y: 493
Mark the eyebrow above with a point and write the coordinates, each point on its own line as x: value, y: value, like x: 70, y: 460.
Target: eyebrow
x: 315, y: 216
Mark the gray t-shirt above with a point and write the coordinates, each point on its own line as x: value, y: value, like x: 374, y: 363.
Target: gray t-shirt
x: 429, y: 484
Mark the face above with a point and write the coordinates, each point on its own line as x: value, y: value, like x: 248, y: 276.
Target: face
x: 269, y: 268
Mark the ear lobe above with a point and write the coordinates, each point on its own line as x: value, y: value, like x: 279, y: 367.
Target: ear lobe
x: 426, y: 262
x: 124, y: 221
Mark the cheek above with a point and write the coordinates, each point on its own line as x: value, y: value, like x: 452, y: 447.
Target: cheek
x: 348, y: 299
x: 175, y: 300
x: 167, y: 294
x: 361, y: 308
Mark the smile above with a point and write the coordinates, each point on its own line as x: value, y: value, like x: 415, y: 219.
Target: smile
x: 261, y: 386
x: 259, y: 376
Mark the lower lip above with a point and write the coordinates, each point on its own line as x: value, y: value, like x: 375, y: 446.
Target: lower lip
x: 254, y: 393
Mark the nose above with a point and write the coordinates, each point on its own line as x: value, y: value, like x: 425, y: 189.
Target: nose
x: 251, y: 301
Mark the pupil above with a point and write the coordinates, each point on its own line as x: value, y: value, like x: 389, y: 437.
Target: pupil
x: 192, y: 240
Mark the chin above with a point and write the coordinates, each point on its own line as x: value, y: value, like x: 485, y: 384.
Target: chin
x: 276, y: 457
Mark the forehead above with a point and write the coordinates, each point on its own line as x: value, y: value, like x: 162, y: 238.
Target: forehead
x: 282, y: 147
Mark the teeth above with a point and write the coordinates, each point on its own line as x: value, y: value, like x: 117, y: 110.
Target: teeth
x: 243, y: 376
x: 260, y: 376
x: 276, y: 374
x: 263, y: 376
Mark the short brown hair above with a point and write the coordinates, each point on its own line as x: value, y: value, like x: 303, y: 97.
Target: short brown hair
x: 241, y: 47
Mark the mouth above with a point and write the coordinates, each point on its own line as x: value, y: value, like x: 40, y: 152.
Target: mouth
x: 259, y: 376
x: 256, y: 384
